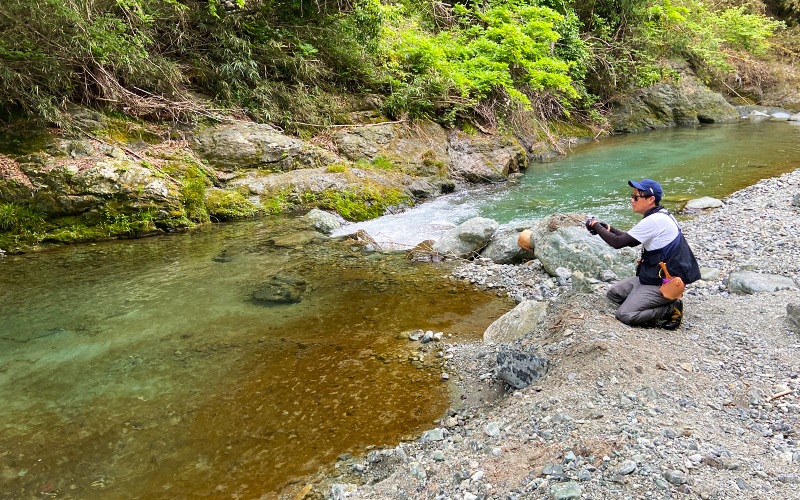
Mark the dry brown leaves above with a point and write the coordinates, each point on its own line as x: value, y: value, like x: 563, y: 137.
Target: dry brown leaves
x: 10, y: 171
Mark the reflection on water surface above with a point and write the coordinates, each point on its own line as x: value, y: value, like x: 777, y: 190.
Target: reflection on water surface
x: 144, y: 368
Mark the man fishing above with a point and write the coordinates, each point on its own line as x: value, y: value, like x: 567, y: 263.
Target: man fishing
x: 640, y: 297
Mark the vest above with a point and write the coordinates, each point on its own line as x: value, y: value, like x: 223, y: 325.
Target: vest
x: 677, y: 255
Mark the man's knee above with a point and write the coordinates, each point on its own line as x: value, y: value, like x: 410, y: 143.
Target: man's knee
x: 614, y: 296
x: 625, y: 316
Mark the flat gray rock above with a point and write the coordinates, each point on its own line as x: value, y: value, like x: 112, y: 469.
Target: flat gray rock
x: 750, y: 282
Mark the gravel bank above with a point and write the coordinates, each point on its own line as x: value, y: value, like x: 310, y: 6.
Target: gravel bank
x: 710, y: 410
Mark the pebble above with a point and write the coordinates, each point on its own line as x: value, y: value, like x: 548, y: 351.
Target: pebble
x: 627, y: 467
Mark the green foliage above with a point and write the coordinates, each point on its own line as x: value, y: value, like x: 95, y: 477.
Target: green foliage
x: 119, y: 224
x: 96, y: 52
x: 297, y: 65
x: 787, y: 10
x: 506, y: 46
x: 604, y: 17
x: 630, y: 51
x: 21, y: 224
x: 706, y: 36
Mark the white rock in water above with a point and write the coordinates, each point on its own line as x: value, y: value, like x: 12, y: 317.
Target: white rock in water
x: 703, y: 203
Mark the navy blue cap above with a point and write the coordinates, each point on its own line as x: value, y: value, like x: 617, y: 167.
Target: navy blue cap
x: 648, y: 186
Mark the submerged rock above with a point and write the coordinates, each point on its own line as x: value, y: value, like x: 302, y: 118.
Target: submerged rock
x: 280, y: 290
x: 324, y: 222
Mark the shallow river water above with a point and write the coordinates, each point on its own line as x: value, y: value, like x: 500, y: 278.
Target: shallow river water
x: 145, y: 369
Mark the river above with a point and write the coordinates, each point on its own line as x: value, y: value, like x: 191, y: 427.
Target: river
x: 689, y: 162
x: 146, y: 369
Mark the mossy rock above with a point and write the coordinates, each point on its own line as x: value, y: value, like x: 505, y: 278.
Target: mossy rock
x: 223, y: 205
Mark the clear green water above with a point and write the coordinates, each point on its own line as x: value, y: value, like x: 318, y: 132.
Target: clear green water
x: 143, y: 369
x: 714, y: 160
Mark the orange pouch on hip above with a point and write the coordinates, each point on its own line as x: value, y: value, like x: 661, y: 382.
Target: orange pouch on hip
x: 672, y: 286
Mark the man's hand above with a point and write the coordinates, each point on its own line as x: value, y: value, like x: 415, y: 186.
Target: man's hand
x: 591, y: 225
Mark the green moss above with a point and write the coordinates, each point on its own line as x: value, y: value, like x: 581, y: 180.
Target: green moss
x: 383, y: 163
x: 435, y: 165
x: 183, y: 165
x: 570, y: 129
x: 336, y: 167
x: 277, y: 202
x: 122, y: 129
x: 228, y: 205
x: 380, y: 163
x: 22, y: 138
x: 193, y: 195
x: 76, y: 234
x: 23, y: 227
x: 366, y: 203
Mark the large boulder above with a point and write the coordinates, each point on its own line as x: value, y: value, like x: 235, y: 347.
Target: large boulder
x: 485, y: 158
x: 772, y: 113
x: 561, y: 243
x: 703, y: 203
x: 427, y: 150
x: 419, y: 148
x: 662, y: 105
x: 299, y: 184
x: 467, y: 239
x: 520, y: 369
x: 244, y: 145
x: 504, y: 248
x: 63, y: 186
x: 517, y: 322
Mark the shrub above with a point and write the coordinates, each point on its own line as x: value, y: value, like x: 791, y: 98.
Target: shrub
x: 506, y: 46
x: 22, y: 224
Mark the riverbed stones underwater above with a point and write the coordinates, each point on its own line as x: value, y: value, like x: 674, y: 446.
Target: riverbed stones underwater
x: 710, y: 410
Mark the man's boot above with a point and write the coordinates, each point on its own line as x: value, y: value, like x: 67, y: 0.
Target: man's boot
x: 675, y: 317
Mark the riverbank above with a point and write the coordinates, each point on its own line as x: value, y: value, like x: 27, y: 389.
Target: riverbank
x: 710, y: 409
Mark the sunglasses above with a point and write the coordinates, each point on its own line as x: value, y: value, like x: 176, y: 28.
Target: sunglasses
x: 636, y: 198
